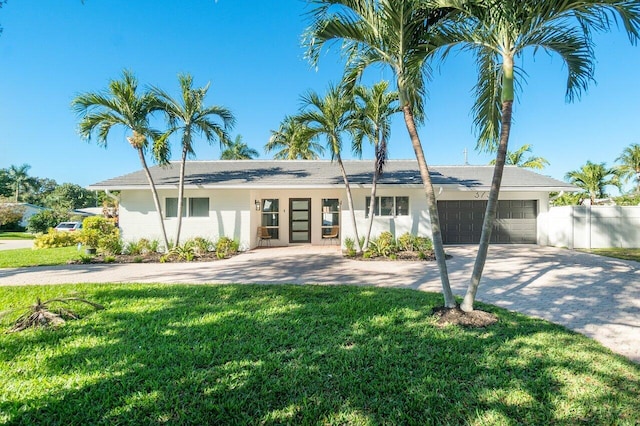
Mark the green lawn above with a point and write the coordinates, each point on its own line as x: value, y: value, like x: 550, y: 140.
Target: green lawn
x: 16, y: 236
x: 618, y: 253
x: 247, y: 354
x: 41, y: 257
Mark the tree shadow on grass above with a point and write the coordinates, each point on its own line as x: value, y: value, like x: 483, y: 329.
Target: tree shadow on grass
x: 310, y: 354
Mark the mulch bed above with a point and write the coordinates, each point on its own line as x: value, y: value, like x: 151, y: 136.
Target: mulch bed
x: 456, y: 316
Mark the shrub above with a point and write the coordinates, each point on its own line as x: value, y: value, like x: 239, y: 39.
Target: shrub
x: 349, y: 245
x: 42, y: 221
x: 100, y: 233
x: 384, y: 245
x: 111, y: 244
x: 202, y: 245
x: 55, y: 239
x: 11, y: 216
x: 226, y: 247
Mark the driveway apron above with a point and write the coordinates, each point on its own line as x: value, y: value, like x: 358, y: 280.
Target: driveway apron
x: 593, y: 295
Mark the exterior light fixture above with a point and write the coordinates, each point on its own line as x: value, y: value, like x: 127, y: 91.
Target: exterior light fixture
x: 257, y: 202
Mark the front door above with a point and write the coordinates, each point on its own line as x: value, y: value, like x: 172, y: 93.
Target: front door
x: 299, y: 220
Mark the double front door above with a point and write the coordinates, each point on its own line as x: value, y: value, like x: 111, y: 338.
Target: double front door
x: 299, y: 220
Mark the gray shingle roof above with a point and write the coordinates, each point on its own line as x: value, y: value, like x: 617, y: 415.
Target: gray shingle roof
x: 324, y: 173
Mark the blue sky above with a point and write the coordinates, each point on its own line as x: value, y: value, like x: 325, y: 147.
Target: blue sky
x: 251, y: 53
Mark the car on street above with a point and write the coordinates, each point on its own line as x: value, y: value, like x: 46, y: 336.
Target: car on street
x: 69, y: 226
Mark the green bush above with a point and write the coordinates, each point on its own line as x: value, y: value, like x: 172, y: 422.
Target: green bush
x: 44, y: 220
x: 202, y: 245
x: 142, y: 246
x: 384, y: 245
x: 100, y: 233
x: 226, y: 247
x: 54, y: 239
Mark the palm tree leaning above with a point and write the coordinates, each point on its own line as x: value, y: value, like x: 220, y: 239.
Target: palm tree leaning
x: 330, y: 117
x: 238, y: 150
x: 293, y: 141
x: 122, y: 105
x: 630, y: 164
x: 396, y: 34
x: 498, y: 32
x: 517, y: 158
x: 593, y: 178
x: 189, y: 116
x: 376, y: 105
x: 19, y: 178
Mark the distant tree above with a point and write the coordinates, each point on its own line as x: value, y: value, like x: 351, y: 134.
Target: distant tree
x: 190, y: 117
x: 19, y: 179
x: 70, y: 196
x: 517, y: 158
x: 5, y: 184
x: 630, y: 165
x: 292, y: 141
x: 594, y: 178
x: 330, y: 118
x: 38, y: 191
x: 45, y: 219
x: 123, y: 106
x: 10, y: 215
x: 238, y: 150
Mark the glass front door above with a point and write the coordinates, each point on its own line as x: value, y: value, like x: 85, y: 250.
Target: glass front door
x: 300, y: 220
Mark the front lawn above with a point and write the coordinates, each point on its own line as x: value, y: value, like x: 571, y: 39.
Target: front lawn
x: 42, y: 257
x: 618, y: 253
x: 16, y: 236
x: 247, y: 354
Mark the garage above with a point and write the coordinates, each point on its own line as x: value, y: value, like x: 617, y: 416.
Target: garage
x: 461, y: 221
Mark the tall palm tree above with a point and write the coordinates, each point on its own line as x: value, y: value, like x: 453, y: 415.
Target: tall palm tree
x: 330, y: 118
x: 19, y: 178
x: 517, y: 158
x: 189, y: 116
x: 593, y: 178
x: 377, y: 104
x: 499, y: 32
x: 293, y: 141
x: 396, y: 34
x: 630, y: 164
x: 238, y: 150
x: 122, y: 105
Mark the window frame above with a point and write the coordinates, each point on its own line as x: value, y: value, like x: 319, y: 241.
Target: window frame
x: 378, y: 205
x: 187, y: 209
x: 273, y: 230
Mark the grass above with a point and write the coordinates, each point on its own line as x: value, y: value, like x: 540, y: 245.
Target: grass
x: 16, y: 236
x: 246, y: 354
x: 42, y: 257
x: 618, y: 253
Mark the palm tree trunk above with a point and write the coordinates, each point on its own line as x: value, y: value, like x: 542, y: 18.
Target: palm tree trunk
x: 181, y: 195
x: 372, y: 203
x: 492, y: 207
x: 449, y: 300
x: 349, y: 202
x: 156, y: 199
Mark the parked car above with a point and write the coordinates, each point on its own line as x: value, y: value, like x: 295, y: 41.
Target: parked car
x: 69, y: 226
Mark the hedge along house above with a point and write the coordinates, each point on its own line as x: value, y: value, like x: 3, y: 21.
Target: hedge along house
x: 300, y: 201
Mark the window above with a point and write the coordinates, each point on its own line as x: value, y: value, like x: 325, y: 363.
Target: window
x: 191, y: 207
x: 388, y: 206
x: 330, y: 215
x: 271, y: 217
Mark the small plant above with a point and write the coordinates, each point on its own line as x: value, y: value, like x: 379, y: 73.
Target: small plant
x: 349, y: 245
x: 50, y: 313
x: 86, y: 258
x: 384, y: 245
x: 109, y: 259
x: 226, y: 247
x: 202, y: 245
x: 99, y: 233
x: 138, y: 259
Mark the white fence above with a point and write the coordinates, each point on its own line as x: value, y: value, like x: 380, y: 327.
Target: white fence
x: 594, y: 226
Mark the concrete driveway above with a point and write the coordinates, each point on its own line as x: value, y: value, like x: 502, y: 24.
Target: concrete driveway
x: 593, y: 295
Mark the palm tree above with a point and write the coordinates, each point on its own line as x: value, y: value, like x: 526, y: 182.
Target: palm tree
x: 238, y: 150
x: 499, y: 32
x: 330, y: 117
x: 19, y: 178
x: 517, y: 158
x: 593, y: 178
x: 396, y: 34
x: 122, y: 106
x: 377, y: 105
x: 191, y: 117
x: 630, y: 167
x: 293, y: 142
